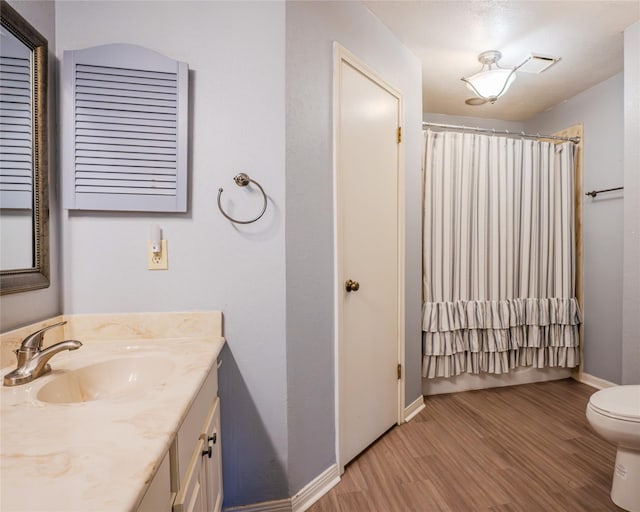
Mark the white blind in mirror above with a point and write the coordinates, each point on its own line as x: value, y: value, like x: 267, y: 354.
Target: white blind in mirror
x: 16, y: 147
x: 126, y: 130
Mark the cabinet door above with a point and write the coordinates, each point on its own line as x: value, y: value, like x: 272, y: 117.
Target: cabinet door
x: 195, y: 422
x: 212, y: 461
x: 192, y: 495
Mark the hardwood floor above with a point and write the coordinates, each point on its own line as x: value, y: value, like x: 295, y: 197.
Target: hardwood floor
x: 524, y: 448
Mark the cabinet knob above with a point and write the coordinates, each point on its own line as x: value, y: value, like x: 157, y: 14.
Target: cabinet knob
x: 213, y: 438
x: 351, y: 286
x: 208, y: 452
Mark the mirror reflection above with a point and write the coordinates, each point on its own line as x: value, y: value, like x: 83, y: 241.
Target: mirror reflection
x: 24, y: 175
x: 16, y: 148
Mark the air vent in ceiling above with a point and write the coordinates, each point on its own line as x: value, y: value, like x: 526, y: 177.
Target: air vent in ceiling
x: 537, y: 63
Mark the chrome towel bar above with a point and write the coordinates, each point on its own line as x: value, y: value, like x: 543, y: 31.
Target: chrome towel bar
x: 594, y: 193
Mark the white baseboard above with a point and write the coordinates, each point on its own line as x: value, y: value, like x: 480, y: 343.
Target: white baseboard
x: 594, y: 382
x: 315, y: 489
x: 264, y: 506
x: 467, y: 381
x: 413, y: 409
x: 302, y: 500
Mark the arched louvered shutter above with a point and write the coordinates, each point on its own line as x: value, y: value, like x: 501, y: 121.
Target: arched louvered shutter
x: 125, y: 129
x: 16, y: 147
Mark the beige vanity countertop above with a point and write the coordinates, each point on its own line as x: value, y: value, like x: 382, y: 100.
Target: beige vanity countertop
x: 99, y: 455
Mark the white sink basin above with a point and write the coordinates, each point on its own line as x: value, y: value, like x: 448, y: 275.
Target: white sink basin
x: 124, y: 377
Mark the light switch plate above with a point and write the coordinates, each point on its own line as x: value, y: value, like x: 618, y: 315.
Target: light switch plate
x: 157, y: 261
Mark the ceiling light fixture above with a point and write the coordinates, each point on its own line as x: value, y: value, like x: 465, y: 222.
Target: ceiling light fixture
x: 491, y: 81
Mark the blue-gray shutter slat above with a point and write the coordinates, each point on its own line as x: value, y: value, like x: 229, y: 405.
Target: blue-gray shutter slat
x: 124, y: 148
x: 81, y: 168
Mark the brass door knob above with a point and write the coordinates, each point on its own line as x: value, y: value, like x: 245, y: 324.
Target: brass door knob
x: 351, y: 286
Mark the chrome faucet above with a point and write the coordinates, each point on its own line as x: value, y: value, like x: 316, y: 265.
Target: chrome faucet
x: 32, y: 360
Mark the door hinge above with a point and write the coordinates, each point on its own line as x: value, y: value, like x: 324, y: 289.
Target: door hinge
x: 399, y: 371
x: 399, y: 134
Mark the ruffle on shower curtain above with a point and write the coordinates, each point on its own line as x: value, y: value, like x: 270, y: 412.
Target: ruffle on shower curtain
x: 496, y: 336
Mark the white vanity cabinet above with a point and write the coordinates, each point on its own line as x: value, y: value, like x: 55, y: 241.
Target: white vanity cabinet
x: 191, y: 478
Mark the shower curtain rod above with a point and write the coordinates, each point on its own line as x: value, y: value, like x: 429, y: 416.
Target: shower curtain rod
x: 575, y: 140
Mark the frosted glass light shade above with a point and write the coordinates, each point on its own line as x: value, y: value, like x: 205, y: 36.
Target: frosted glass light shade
x: 492, y: 83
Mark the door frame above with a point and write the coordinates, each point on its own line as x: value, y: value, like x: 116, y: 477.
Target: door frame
x: 341, y: 54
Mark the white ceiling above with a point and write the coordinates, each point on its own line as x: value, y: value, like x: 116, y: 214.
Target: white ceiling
x: 447, y: 36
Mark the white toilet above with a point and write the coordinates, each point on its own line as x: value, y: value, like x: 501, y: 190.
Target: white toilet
x: 614, y: 413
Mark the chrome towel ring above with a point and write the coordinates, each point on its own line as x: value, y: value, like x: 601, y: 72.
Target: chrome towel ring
x: 242, y: 180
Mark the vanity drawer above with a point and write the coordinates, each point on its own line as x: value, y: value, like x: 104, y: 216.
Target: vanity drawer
x: 192, y: 428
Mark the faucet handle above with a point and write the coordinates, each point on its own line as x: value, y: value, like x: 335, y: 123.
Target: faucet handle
x: 34, y: 340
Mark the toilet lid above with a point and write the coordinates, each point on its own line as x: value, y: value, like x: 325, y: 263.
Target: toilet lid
x: 620, y: 401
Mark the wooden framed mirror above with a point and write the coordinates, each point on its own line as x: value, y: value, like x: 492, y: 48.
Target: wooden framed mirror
x: 24, y: 173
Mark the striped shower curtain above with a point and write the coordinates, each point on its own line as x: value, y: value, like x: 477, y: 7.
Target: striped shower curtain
x: 499, y: 278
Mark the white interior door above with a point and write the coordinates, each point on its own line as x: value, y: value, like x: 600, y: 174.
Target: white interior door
x: 367, y: 181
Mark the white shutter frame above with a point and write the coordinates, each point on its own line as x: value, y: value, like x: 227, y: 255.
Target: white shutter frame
x: 124, y: 148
